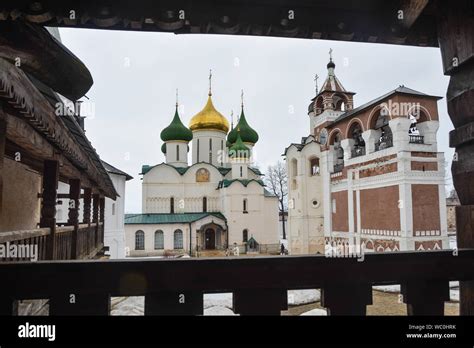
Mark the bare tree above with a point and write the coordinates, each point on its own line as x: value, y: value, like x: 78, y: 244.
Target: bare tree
x: 277, y: 182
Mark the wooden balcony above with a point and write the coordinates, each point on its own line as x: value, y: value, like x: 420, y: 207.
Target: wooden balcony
x: 66, y: 243
x: 259, y: 284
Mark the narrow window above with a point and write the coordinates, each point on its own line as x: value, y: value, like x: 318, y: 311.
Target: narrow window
x: 159, y: 240
x: 244, y: 208
x: 113, y: 208
x: 241, y: 171
x: 177, y: 153
x: 178, y: 239
x: 140, y: 240
x: 172, y: 205
x: 210, y: 151
x: 245, y: 236
x: 197, y: 150
x: 204, y: 204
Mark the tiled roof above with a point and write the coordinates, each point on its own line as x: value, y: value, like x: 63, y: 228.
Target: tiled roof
x: 168, y: 218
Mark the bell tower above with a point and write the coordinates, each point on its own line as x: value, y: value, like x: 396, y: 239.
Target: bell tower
x: 331, y: 101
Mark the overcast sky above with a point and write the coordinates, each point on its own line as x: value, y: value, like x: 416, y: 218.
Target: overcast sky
x: 136, y: 75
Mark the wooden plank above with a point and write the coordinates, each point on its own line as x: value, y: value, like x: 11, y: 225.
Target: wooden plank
x: 73, y: 215
x: 346, y: 298
x: 174, y: 303
x: 48, y: 203
x: 11, y: 236
x: 3, y: 139
x: 44, y: 57
x: 87, y: 205
x: 260, y: 301
x: 465, y: 239
x: 139, y: 277
x: 79, y: 304
x: 425, y: 297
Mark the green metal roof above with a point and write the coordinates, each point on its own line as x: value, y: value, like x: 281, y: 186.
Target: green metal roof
x: 245, y: 182
x: 131, y: 219
x: 181, y: 170
x: 239, y: 149
x: 247, y: 133
x: 176, y: 130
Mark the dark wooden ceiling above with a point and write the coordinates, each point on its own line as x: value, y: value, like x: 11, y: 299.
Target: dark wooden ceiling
x: 375, y: 21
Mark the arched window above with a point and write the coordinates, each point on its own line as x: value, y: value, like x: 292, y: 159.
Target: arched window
x: 244, y: 208
x: 241, y: 171
x: 172, y: 205
x: 178, y: 239
x: 204, y: 204
x: 197, y: 151
x: 245, y: 235
x: 416, y: 116
x: 339, y: 102
x: 177, y: 153
x: 140, y: 240
x: 355, y: 132
x: 384, y: 138
x: 159, y: 240
x: 338, y: 153
x: 314, y: 166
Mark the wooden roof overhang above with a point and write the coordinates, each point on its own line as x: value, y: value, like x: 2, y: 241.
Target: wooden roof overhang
x: 37, y: 133
x: 371, y: 21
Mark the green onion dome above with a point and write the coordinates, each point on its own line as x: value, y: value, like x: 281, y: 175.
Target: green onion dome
x: 176, y: 130
x: 163, y: 148
x: 239, y: 149
x: 247, y: 133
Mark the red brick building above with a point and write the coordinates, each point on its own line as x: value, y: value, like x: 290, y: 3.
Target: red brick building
x: 379, y: 177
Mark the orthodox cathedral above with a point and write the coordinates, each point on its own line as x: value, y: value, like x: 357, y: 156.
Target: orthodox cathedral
x: 217, y: 201
x: 370, y: 175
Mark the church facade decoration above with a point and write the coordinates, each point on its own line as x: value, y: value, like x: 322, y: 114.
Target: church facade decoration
x: 380, y: 181
x: 217, y: 201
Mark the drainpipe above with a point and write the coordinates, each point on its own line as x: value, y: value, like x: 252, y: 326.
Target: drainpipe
x: 190, y: 240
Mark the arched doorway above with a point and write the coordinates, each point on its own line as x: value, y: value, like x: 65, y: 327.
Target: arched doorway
x: 209, y: 239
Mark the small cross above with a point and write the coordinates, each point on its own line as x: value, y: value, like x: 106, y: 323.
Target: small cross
x: 316, y: 77
x: 330, y: 54
x: 176, y: 97
x: 242, y: 98
x: 210, y: 81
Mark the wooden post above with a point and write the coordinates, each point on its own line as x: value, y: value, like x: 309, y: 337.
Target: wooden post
x: 102, y: 219
x: 95, y: 216
x: 3, y: 138
x: 73, y: 216
x: 86, y: 218
x: 80, y: 304
x: 48, y: 204
x: 455, y: 36
x: 174, y: 303
x: 346, y: 299
x: 425, y: 298
x: 260, y: 301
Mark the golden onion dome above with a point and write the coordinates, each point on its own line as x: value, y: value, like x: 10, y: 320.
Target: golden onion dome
x: 209, y: 119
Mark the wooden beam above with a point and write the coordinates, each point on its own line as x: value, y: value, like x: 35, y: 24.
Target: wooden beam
x: 3, y: 139
x: 35, y: 51
x: 48, y: 204
x: 73, y: 215
x: 31, y: 106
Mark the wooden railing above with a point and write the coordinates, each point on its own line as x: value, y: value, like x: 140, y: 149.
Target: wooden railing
x: 90, y: 240
x: 259, y: 284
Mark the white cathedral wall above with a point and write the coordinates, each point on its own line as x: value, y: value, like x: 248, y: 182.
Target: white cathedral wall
x: 114, y: 229
x: 213, y: 156
x: 149, y: 230
x: 305, y: 219
x: 177, y: 153
x: 261, y: 221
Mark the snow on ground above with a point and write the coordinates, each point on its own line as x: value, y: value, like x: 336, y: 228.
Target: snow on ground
x: 218, y: 300
x: 454, y: 289
x: 316, y: 311
x: 387, y: 288
x: 284, y: 242
x: 133, y: 305
x: 298, y: 297
x: 218, y: 310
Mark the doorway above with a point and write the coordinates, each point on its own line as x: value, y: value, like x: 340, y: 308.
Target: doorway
x: 210, y: 239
